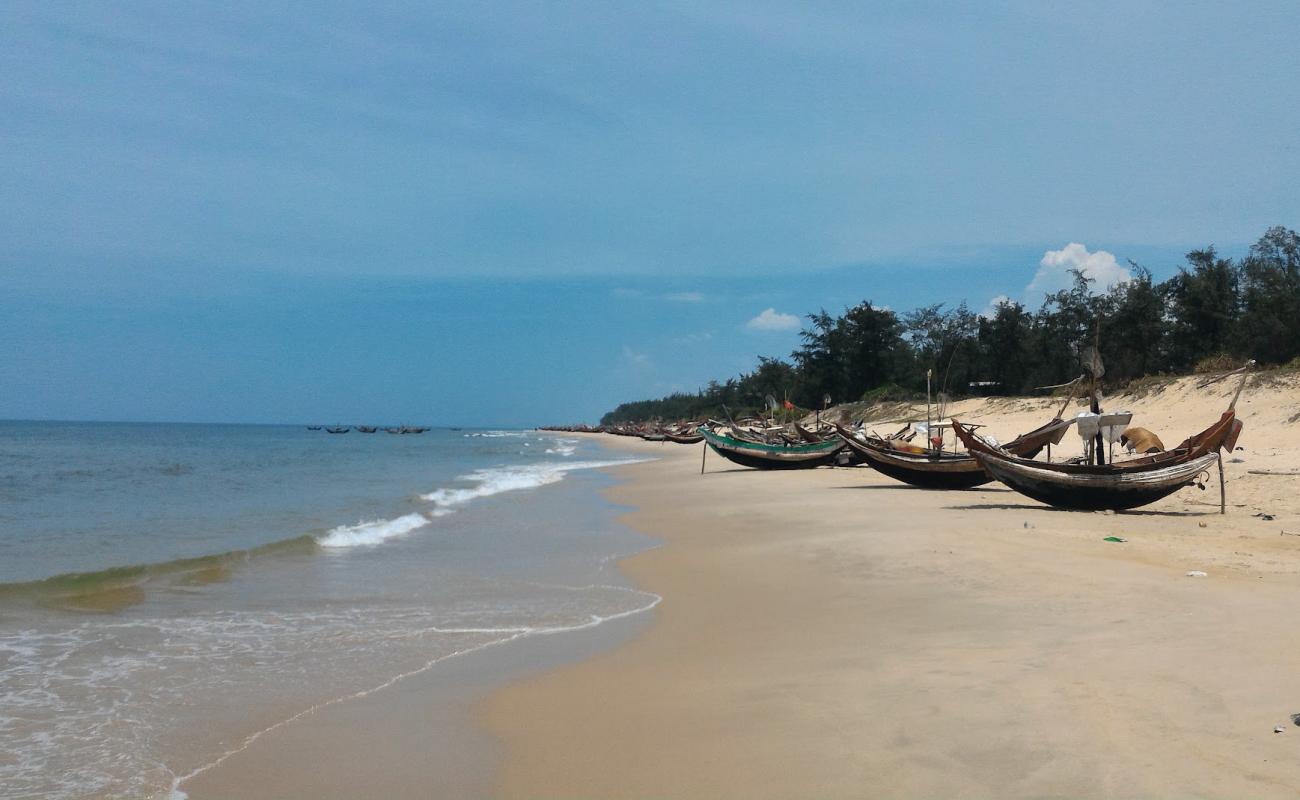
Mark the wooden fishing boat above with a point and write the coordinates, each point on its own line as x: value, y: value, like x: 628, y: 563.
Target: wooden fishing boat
x: 339, y: 429
x: 932, y: 469
x: 366, y: 429
x: 1115, y: 486
x: 684, y: 438
x: 772, y: 456
x: 313, y: 427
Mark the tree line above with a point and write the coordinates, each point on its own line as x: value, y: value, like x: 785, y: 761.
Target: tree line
x: 1215, y: 312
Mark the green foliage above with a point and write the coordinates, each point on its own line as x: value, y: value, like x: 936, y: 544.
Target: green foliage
x: 1213, y: 315
x: 1219, y: 362
x: 889, y: 393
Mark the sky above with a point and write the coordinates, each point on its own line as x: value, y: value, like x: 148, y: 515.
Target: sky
x: 523, y: 213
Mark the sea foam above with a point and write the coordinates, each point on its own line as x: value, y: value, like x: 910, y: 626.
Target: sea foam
x: 375, y: 532
x: 489, y: 482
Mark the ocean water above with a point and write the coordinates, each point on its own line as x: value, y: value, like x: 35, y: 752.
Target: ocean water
x: 168, y: 593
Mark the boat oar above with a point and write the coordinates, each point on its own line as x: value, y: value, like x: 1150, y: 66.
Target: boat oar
x: 703, y: 454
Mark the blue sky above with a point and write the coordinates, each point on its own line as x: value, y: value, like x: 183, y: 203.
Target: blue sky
x: 516, y: 213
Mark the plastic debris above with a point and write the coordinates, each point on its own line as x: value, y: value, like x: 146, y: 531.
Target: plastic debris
x: 1028, y: 525
x: 1278, y: 729
x: 1114, y: 539
x: 1196, y: 573
x: 1202, y: 525
x: 1265, y: 517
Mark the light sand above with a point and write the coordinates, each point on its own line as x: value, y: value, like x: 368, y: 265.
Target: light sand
x: 835, y: 634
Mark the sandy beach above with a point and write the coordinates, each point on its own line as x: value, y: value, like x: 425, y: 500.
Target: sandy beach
x: 831, y: 633
x: 834, y: 634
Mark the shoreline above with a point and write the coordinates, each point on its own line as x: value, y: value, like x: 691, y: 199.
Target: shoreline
x: 414, y: 733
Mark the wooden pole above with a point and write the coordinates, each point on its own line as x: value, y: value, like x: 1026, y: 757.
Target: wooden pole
x: 703, y: 453
x: 927, y: 406
x: 1246, y: 373
x: 1099, y: 448
x: 1223, y: 492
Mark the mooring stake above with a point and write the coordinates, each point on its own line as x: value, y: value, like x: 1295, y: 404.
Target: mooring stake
x: 1223, y: 492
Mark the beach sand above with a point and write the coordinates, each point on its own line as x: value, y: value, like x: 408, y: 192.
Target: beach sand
x: 831, y: 633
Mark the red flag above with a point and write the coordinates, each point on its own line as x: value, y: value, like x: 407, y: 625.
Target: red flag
x: 789, y: 406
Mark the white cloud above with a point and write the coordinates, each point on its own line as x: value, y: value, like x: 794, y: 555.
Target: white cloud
x: 634, y: 360
x: 991, y: 310
x: 694, y: 338
x: 772, y: 320
x: 685, y: 297
x: 1054, y: 270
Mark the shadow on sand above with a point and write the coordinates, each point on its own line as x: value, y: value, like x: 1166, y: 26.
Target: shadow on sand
x: 1027, y: 507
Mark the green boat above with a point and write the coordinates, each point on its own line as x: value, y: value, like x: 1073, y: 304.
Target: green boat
x: 772, y: 456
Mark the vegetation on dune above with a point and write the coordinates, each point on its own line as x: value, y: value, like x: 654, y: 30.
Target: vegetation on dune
x: 1212, y: 315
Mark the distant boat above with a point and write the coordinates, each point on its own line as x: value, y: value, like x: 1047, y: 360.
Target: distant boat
x: 366, y: 429
x: 392, y: 430
x: 313, y: 427
x: 337, y: 430
x: 411, y: 429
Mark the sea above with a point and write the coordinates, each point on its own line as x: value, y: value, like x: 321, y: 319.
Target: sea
x: 171, y: 592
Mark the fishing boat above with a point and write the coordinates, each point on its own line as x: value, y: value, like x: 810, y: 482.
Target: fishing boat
x: 1118, y: 485
x: 688, y: 436
x: 938, y: 469
x: 340, y: 429
x: 313, y: 427
x: 366, y: 429
x: 760, y: 455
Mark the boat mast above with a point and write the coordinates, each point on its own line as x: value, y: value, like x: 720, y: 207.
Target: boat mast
x: 928, y: 373
x: 1098, y: 447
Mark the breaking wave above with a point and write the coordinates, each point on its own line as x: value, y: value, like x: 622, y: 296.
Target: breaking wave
x: 488, y: 482
x: 563, y: 447
x: 375, y: 532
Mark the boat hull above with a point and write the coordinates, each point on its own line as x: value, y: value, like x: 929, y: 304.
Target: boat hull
x: 690, y: 439
x: 1092, y: 492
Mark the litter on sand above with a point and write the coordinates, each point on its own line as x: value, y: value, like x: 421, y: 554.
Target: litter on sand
x: 1196, y: 573
x: 1114, y: 539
